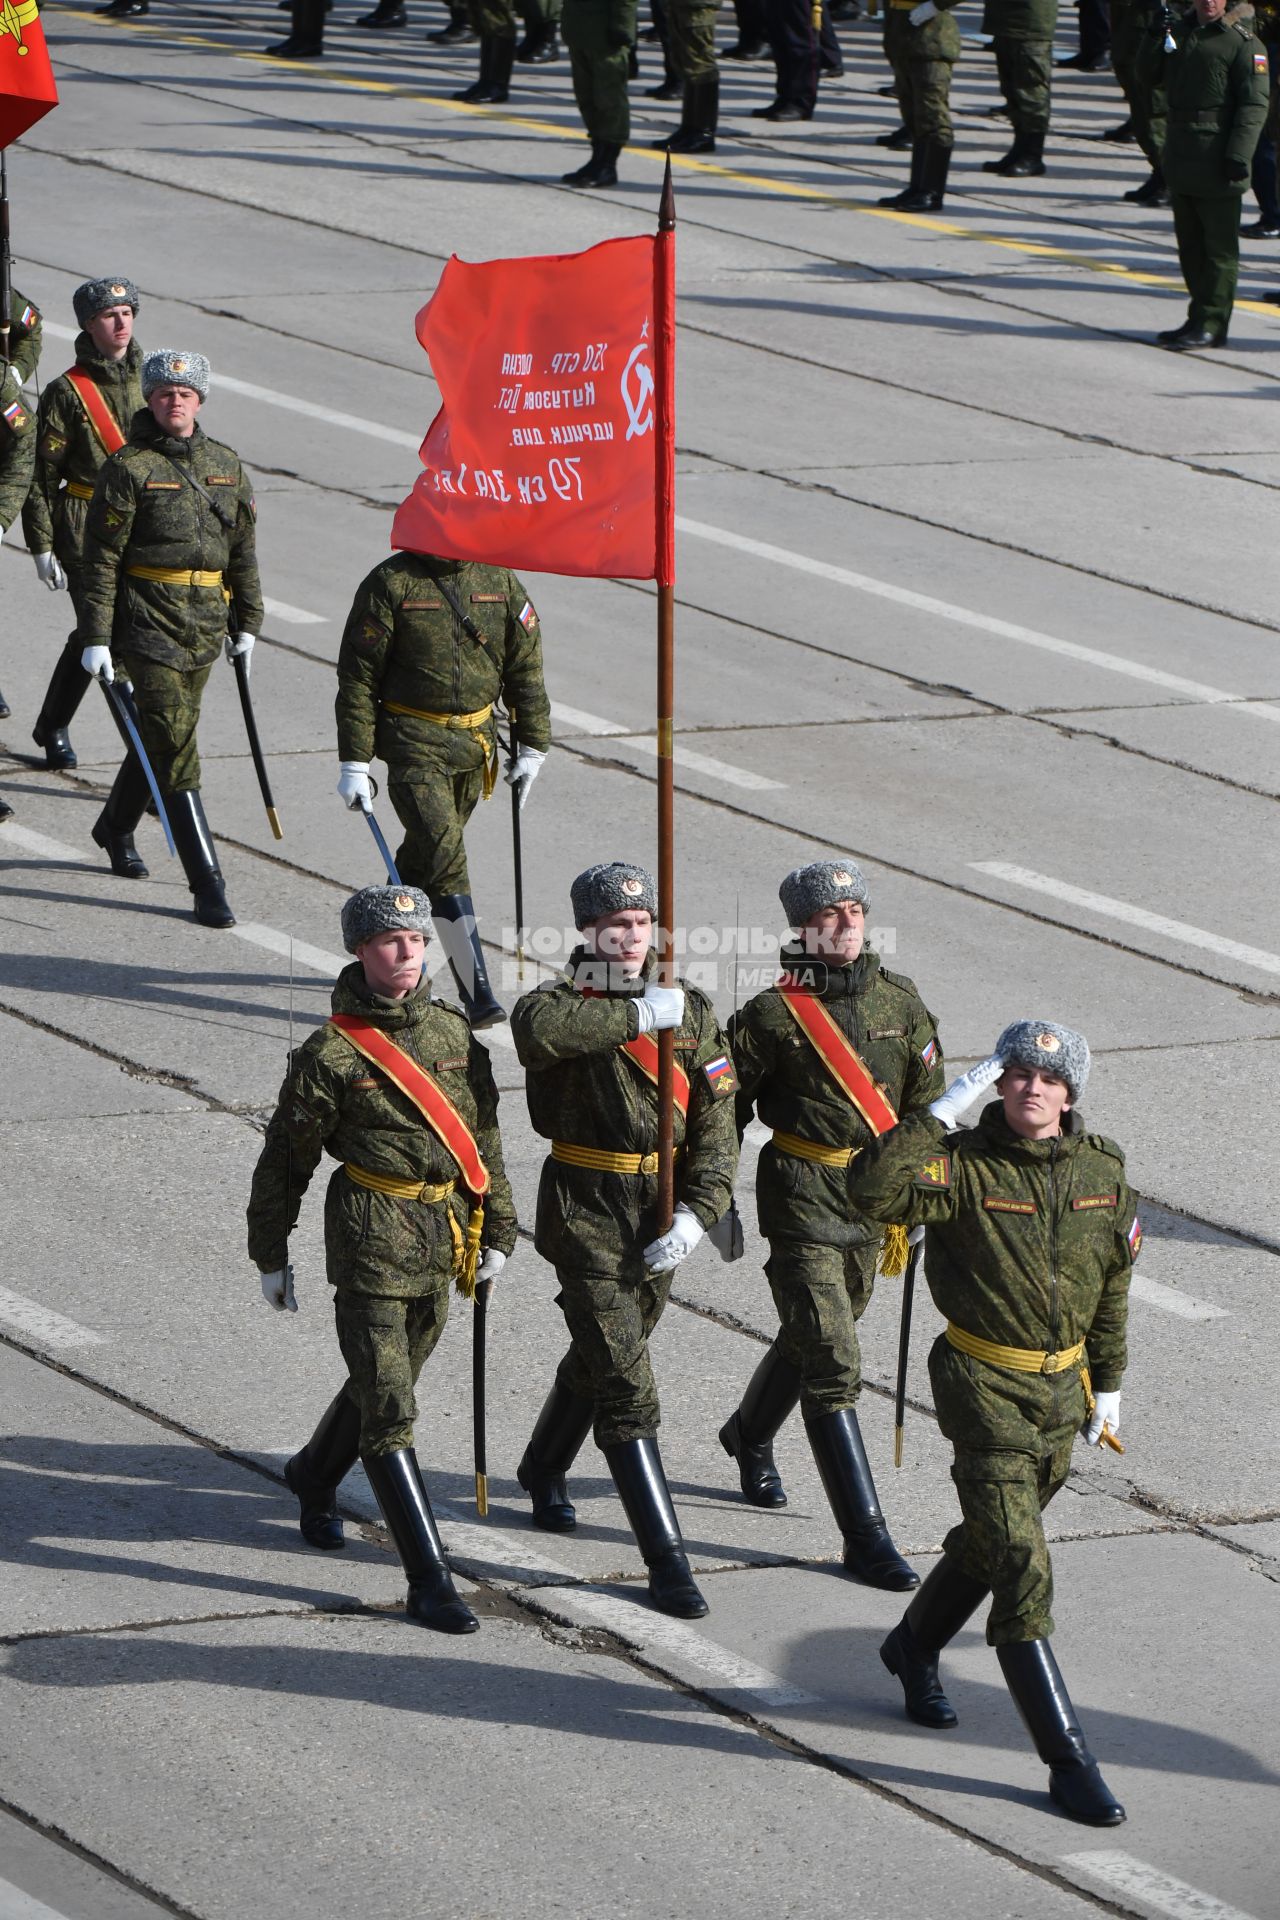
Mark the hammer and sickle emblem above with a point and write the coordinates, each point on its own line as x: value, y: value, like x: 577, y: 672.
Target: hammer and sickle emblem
x: 637, y: 392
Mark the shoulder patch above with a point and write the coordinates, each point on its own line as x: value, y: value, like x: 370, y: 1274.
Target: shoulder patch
x: 527, y: 616
x: 934, y: 1172
x: 929, y: 1053
x: 1135, y: 1238
x: 368, y: 633
x: 720, y: 1076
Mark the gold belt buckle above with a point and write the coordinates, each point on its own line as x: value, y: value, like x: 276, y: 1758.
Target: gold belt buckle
x: 648, y: 1163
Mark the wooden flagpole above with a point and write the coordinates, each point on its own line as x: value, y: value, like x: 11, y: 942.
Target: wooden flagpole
x: 664, y: 304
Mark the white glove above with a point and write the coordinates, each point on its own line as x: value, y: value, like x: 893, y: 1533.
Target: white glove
x: 676, y: 1244
x: 12, y: 376
x: 925, y: 12
x: 1106, y: 1412
x: 659, y: 1007
x: 49, y: 569
x: 962, y: 1093
x: 241, y: 647
x: 277, y: 1290
x: 726, y: 1236
x: 524, y: 770
x: 353, y: 785
x: 491, y: 1264
x: 97, y: 661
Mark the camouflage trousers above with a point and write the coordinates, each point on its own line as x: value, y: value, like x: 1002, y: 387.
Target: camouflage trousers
x: 386, y: 1342
x: 168, y: 711
x: 434, y: 804
x: 1023, y: 68
x: 610, y: 1318
x: 821, y: 1293
x: 922, y: 75
x: 692, y: 31
x: 1012, y: 1434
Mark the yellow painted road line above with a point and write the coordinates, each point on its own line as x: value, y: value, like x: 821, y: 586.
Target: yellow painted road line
x: 761, y: 182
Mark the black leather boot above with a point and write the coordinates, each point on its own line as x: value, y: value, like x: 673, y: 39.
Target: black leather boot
x: 114, y: 828
x: 1024, y: 158
x: 5, y: 708
x: 601, y: 170
x: 455, y: 918
x: 935, y: 1616
x: 192, y: 838
x: 554, y: 1445
x: 120, y: 9
x: 1190, y: 337
x: 636, y: 1466
x: 1041, y: 1697
x: 698, y: 120
x: 306, y: 33
x: 314, y: 1475
x: 458, y: 30
x: 494, y: 83
x: 65, y: 691
x: 772, y: 1395
x: 433, y: 1601
x: 869, y: 1553
x: 898, y: 141
x: 1152, y: 193
x: 6, y: 811
x: 911, y: 192
x: 548, y: 48
x: 387, y: 14
x: 929, y: 166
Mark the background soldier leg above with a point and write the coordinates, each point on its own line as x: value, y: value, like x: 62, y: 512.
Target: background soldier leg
x: 316, y: 1472
x: 168, y: 702
x: 693, y: 48
x: 1207, y: 229
x: 1023, y: 67
x: 495, y: 22
x: 600, y: 72
x: 433, y: 807
x: 924, y: 91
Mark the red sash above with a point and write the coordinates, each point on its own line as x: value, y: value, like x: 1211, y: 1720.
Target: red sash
x: 431, y: 1100
x: 643, y: 1053
x: 841, y: 1060
x: 101, y: 418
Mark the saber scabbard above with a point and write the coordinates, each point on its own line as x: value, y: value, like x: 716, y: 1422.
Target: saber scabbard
x: 478, y: 1396
x: 241, y: 664
x: 393, y: 876
x: 904, y: 1350
x: 120, y: 700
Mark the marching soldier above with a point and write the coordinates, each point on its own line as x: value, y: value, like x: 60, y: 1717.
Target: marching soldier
x: 591, y: 1061
x: 1030, y: 1237
x: 397, y: 1091
x: 169, y: 545
x: 17, y: 426
x: 829, y: 1057
x: 1022, y: 37
x: 600, y: 36
x: 429, y: 646
x: 85, y: 415
x: 922, y: 45
x: 1215, y: 81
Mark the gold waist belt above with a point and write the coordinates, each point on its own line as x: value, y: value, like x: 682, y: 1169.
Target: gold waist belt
x: 600, y: 1161
x: 463, y: 723
x: 1019, y: 1359
x: 176, y: 576
x: 78, y: 490
x: 399, y: 1189
x: 810, y: 1150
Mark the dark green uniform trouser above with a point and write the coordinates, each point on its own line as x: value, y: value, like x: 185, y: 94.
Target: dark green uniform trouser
x: 1129, y: 26
x: 1012, y: 1434
x: 600, y: 89
x: 610, y: 1318
x: 692, y: 31
x: 922, y: 75
x: 434, y: 798
x: 821, y: 1293
x: 1207, y: 229
x: 386, y: 1342
x: 168, y: 701
x: 492, y: 19
x: 1023, y: 68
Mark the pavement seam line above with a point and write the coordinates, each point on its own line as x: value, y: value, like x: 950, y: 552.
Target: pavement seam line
x: 58, y: 1836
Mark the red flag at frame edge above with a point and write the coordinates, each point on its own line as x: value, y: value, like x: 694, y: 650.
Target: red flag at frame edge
x: 545, y: 451
x: 27, y: 90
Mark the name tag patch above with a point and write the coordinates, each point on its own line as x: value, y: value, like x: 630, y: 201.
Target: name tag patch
x: 994, y: 1204
x: 1088, y: 1201
x: 886, y: 1033
x: 488, y: 599
x: 421, y: 606
x: 448, y: 1066
x: 162, y: 486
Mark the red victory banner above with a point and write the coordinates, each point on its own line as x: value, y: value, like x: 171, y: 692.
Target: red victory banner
x: 552, y: 441
x: 26, y: 77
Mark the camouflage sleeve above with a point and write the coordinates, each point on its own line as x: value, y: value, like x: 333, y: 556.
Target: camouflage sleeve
x: 305, y: 1116
x: 17, y: 464
x: 906, y: 1176
x: 523, y: 687
x: 107, y: 530
x: 52, y: 440
x: 550, y: 1025
x: 706, y: 1175
x: 28, y: 333
x: 752, y: 1043
x: 499, y: 1205
x: 242, y: 564
x: 1107, y: 1342
x: 1249, y: 95
x: 362, y: 660
x: 925, y: 1075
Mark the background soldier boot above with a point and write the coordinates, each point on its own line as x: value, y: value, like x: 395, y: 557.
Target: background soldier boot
x: 306, y: 33
x: 314, y: 1475
x: 772, y: 1395
x: 1040, y: 1695
x: 554, y: 1445
x: 387, y: 13
x: 912, y: 191
x: 65, y: 691
x: 601, y: 170
x: 5, y: 708
x: 6, y: 811
x: 114, y: 828
x: 433, y: 1600
x: 935, y: 164
x: 1152, y: 193
x: 636, y: 1466
x: 541, y: 42
x: 869, y: 1553
x: 698, y: 118
x: 1025, y: 157
x: 192, y: 838
x: 458, y: 30
x: 935, y: 1616
x: 899, y: 140
x: 494, y: 84
x: 455, y: 919
x: 119, y: 9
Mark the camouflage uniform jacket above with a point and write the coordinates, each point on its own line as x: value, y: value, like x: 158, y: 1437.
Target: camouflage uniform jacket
x: 26, y: 335
x: 1028, y: 1243
x: 17, y: 459
x: 781, y: 1076
x: 335, y: 1101
x: 404, y: 643
x: 69, y: 452
x: 145, y: 513
x: 581, y: 1089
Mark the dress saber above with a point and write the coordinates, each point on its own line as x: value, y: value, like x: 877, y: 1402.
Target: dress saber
x: 241, y: 665
x: 126, y: 714
x: 904, y: 1348
x: 393, y: 876
x: 477, y: 1396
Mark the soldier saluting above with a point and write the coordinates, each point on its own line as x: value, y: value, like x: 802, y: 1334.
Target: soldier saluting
x: 586, y: 1044
x: 169, y: 543
x: 429, y: 646
x: 395, y: 1088
x: 85, y: 416
x: 1030, y: 1237
x: 828, y: 1057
